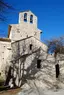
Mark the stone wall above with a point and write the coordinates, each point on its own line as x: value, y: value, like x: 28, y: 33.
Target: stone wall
x: 22, y: 47
x: 24, y: 62
x: 24, y: 59
x: 5, y: 49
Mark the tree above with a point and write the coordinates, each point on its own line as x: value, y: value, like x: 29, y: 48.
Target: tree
x: 56, y: 46
x: 4, y: 7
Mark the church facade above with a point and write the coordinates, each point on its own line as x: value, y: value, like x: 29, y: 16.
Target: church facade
x: 25, y: 29
x: 24, y: 57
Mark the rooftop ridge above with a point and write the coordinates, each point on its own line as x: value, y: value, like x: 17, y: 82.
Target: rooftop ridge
x: 28, y: 38
x: 5, y: 39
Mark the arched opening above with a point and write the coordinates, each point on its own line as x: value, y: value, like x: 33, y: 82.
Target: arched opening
x: 31, y: 18
x: 25, y: 17
x: 57, y: 70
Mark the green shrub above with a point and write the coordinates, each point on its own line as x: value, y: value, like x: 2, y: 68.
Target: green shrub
x: 1, y: 81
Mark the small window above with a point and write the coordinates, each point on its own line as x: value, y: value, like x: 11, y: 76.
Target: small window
x: 25, y: 17
x: 31, y: 18
x: 38, y: 63
x: 30, y: 46
x: 0, y: 73
x: 57, y: 70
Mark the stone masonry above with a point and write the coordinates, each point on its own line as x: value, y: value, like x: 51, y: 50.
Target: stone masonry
x: 24, y: 58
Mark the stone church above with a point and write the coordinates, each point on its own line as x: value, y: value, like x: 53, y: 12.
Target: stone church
x: 24, y: 58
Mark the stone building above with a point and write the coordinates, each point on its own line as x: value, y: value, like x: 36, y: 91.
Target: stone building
x: 24, y: 58
x: 25, y: 29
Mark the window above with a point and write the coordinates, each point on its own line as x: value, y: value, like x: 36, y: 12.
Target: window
x: 31, y: 18
x: 0, y: 73
x: 25, y: 17
x: 38, y: 63
x: 57, y: 70
x: 30, y: 46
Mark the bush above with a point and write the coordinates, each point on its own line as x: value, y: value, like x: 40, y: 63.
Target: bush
x: 1, y: 81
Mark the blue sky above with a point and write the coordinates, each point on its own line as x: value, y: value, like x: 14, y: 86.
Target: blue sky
x: 50, y: 15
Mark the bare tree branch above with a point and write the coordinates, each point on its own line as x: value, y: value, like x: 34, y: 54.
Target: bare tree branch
x: 4, y: 8
x: 56, y: 45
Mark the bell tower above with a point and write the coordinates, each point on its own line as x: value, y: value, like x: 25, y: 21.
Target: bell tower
x: 26, y: 27
x: 27, y: 17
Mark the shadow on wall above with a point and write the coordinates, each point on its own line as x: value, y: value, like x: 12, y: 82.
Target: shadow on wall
x: 19, y: 73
